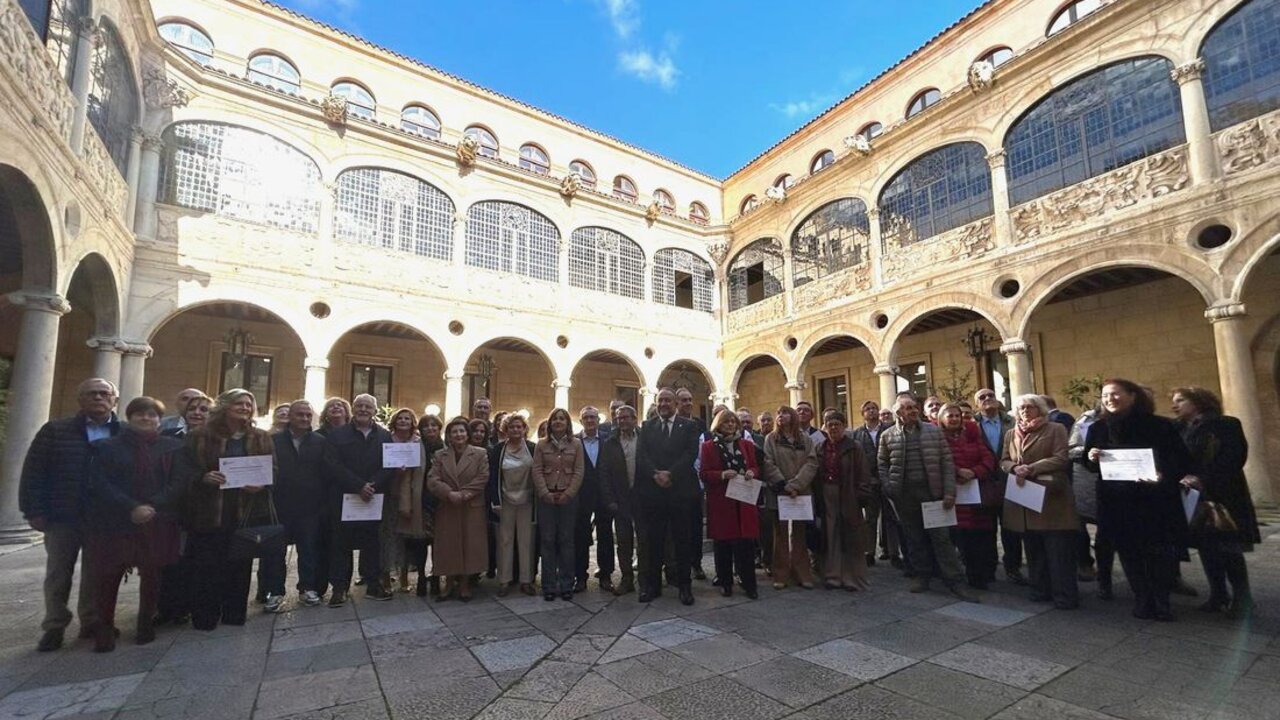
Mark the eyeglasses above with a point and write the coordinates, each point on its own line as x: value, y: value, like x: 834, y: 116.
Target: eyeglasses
x: 987, y: 396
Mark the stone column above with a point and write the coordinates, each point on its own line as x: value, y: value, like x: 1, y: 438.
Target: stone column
x: 648, y: 396
x: 144, y: 223
x: 1240, y: 390
x: 795, y: 392
x: 728, y: 399
x: 788, y: 276
x: 563, y: 271
x: 1202, y: 157
x: 875, y: 246
x: 106, y: 358
x: 133, y: 367
x: 1001, y: 228
x: 132, y: 172
x: 1018, y: 353
x: 562, y: 393
x: 89, y: 36
x: 452, y: 393
x: 888, y: 375
x: 30, y: 395
x: 317, y: 370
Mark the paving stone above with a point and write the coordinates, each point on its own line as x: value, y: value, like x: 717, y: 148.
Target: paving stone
x: 592, y: 694
x: 80, y: 666
x: 436, y: 665
x: 870, y: 701
x: 407, y: 644
x: 305, y: 693
x: 793, y: 681
x: 521, y: 604
x: 1009, y: 668
x: 315, y: 635
x: 1093, y: 688
x: 1069, y: 650
x: 192, y: 678
x: 957, y: 692
x: 582, y: 648
x: 442, y: 699
x: 717, y: 697
x: 625, y: 647
x: 673, y: 632
x: 652, y: 673
x: 550, y: 681
x: 512, y: 709
x: 401, y: 623
x: 1039, y: 707
x: 506, y: 679
x: 559, y: 624
x: 615, y: 619
x: 633, y: 711
x: 105, y: 695
x: 723, y: 653
x: 855, y: 659
x: 987, y: 614
x: 210, y: 703
x: 512, y: 654
x: 307, y: 660
x: 1265, y: 668
x: 921, y: 636
x: 372, y: 709
x: 302, y: 616
x: 194, y: 646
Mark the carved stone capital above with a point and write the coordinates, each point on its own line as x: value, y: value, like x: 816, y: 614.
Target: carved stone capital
x: 152, y: 143
x: 1184, y: 74
x: 1015, y: 346
x: 718, y: 249
x: 982, y: 75
x: 570, y: 185
x: 135, y: 348
x: 334, y: 108
x: 454, y: 376
x: 885, y: 369
x: 797, y: 385
x: 858, y: 145
x: 559, y: 384
x: 468, y: 149
x: 160, y: 91
x: 873, y: 213
x: 313, y: 363
x: 105, y: 344
x: 88, y: 28
x: 40, y: 302
x: 996, y: 158
x: 1225, y: 310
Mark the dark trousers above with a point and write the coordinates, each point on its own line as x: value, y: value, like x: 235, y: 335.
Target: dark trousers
x: 631, y: 543
x: 175, y: 590
x: 556, y: 524
x: 311, y: 540
x: 117, y: 553
x: 736, y: 557
x: 1223, y: 565
x: 1012, y: 544
x: 1150, y: 572
x: 765, y: 546
x: 663, y: 515
x: 602, y: 522
x: 219, y: 584
x: 349, y: 536
x: 696, y: 530
x: 64, y: 544
x: 978, y: 551
x: 1102, y: 550
x: 1051, y: 565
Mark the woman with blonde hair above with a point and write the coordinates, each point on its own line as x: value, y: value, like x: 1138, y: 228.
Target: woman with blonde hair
x: 732, y: 525
x: 511, y: 491
x: 790, y: 465
x: 335, y: 413
x: 558, y: 466
x: 402, y: 511
x: 458, y: 476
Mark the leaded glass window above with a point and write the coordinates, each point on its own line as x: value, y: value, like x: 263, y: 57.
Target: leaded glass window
x: 698, y: 213
x: 1242, y: 64
x: 683, y: 279
x: 821, y: 160
x: 274, y: 71
x: 359, y: 102
x: 584, y: 172
x: 391, y: 210
x: 64, y: 34
x: 940, y: 190
x: 923, y: 100
x: 241, y: 173
x: 534, y: 159
x: 113, y: 96
x: 1072, y: 14
x: 488, y: 142
x: 624, y: 188
x: 832, y: 238
x: 420, y: 121
x: 755, y: 273
x: 871, y: 130
x: 189, y: 40
x: 1092, y: 125
x: 512, y: 238
x: 664, y: 200
x: 607, y: 261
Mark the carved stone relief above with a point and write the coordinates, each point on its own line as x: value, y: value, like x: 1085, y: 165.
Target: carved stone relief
x: 757, y: 314
x: 833, y: 287
x: 570, y: 185
x: 28, y: 65
x: 1250, y: 144
x: 334, y: 108
x: 468, y: 149
x: 962, y: 243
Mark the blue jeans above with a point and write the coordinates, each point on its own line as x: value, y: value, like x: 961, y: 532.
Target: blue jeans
x: 310, y: 535
x: 555, y: 533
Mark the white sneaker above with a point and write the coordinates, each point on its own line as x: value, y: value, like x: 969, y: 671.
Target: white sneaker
x: 274, y: 604
x: 311, y: 598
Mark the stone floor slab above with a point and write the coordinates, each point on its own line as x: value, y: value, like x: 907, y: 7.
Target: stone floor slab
x: 921, y: 636
x: 717, y: 698
x: 513, y: 654
x: 625, y: 647
x: 870, y: 701
x: 965, y: 695
x: 583, y: 648
x: 986, y: 614
x: 855, y: 659
x: 513, y: 709
x: 315, y: 635
x: 401, y: 623
x: 549, y: 682
x: 317, y: 691
x: 372, y: 709
x: 105, y: 695
x: 794, y: 682
x: 592, y: 694
x: 1039, y: 707
x: 673, y: 632
x: 442, y: 699
x: 319, y: 658
x: 724, y: 653
x: 652, y: 673
x: 1009, y: 668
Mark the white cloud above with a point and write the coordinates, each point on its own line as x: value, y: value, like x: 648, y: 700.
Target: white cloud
x: 659, y: 69
x: 624, y: 16
x: 806, y: 108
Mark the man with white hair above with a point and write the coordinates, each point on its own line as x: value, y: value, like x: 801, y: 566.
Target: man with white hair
x: 175, y: 421
x: 353, y: 460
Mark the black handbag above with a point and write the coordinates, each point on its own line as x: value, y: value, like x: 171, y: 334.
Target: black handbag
x: 258, y: 541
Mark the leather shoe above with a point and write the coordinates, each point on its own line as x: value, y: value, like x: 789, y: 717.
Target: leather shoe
x: 699, y: 573
x: 726, y: 590
x: 580, y: 585
x: 606, y: 584
x: 686, y: 596
x: 1015, y: 576
x: 753, y: 594
x: 645, y: 596
x: 626, y: 586
x: 51, y: 640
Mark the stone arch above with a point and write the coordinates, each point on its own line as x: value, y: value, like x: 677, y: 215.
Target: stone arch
x: 740, y: 364
x: 279, y: 131
x: 802, y: 212
x: 352, y: 321
x: 1205, y: 24
x: 900, y: 163
x: 150, y: 323
x: 955, y: 300
x: 422, y: 172
x: 554, y: 360
x: 712, y: 385
x: 103, y: 292
x: 838, y: 328
x: 584, y: 392
x: 1247, y: 254
x: 574, y: 359
x: 27, y: 221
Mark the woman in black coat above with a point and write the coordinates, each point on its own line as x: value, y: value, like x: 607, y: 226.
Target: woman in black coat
x: 1219, y: 449
x: 1143, y: 520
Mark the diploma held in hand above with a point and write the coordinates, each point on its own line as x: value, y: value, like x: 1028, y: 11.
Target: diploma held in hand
x: 401, y: 455
x: 799, y: 507
x: 1128, y: 465
x: 355, y: 509
x: 250, y: 471
x: 968, y: 493
x: 936, y: 516
x: 1029, y: 495
x: 743, y: 490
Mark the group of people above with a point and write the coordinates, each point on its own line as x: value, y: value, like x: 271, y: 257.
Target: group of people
x: 477, y: 496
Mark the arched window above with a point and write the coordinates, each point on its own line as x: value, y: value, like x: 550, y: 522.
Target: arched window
x: 821, y: 160
x: 871, y: 130
x: 359, y: 101
x: 64, y: 34
x: 922, y: 100
x: 940, y: 190
x: 606, y: 261
x: 755, y: 273
x: 682, y: 279
x: 832, y: 238
x: 784, y: 181
x: 749, y: 203
x: 1242, y: 64
x: 1093, y: 124
x: 584, y: 172
x: 419, y: 120
x: 997, y: 56
x: 241, y: 173
x: 512, y: 238
x: 664, y: 200
x: 391, y: 210
x: 113, y: 96
x: 275, y: 72
x: 1071, y: 14
x: 698, y: 213
x: 188, y: 40
x: 488, y: 142
x: 534, y: 159
x: 624, y: 188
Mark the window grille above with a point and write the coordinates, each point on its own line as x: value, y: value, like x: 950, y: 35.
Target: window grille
x: 1242, y: 64
x: 507, y: 237
x: 607, y: 261
x: 64, y: 34
x: 391, y: 210
x: 274, y: 71
x: 673, y: 265
x: 188, y: 40
x: 832, y: 238
x: 940, y: 190
x: 756, y: 273
x: 113, y: 97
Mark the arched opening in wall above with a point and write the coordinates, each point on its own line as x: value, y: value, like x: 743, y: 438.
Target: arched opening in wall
x: 1262, y: 298
x: 761, y: 385
x: 391, y: 361
x: 601, y: 377
x: 515, y: 376
x: 1123, y: 320
x: 95, y: 313
x: 687, y: 375
x: 951, y: 352
x: 839, y: 374
x: 227, y: 344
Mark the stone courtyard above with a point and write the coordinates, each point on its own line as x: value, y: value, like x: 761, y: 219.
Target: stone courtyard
x: 793, y: 653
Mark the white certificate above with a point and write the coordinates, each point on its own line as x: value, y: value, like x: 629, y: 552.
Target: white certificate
x: 969, y: 493
x: 401, y: 455
x: 1190, y: 498
x: 799, y: 507
x: 253, y: 470
x: 936, y: 516
x: 743, y: 490
x: 355, y: 509
x: 1029, y: 496
x: 1128, y: 465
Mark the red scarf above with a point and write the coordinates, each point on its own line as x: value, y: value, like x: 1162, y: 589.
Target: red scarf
x: 1026, y: 427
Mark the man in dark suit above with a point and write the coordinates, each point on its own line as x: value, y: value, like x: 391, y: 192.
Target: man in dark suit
x: 353, y: 461
x: 302, y: 500
x: 667, y: 487
x: 995, y: 423
x: 618, y: 470
x: 867, y: 436
x: 1062, y: 417
x: 591, y: 509
x: 684, y: 409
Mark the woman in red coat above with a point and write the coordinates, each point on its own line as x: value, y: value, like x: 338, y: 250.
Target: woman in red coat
x: 975, y: 533
x: 731, y: 524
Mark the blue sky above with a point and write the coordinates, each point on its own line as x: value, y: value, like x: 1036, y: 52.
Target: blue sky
x: 709, y: 84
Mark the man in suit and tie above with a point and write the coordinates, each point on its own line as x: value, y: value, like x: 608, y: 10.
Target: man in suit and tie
x: 684, y: 409
x: 591, y: 509
x: 995, y: 423
x: 667, y: 487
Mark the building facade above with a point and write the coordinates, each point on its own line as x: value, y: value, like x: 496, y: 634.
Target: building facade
x: 224, y: 194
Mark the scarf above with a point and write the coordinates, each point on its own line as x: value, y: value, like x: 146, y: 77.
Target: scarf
x: 143, y: 443
x: 1026, y: 427
x: 730, y: 456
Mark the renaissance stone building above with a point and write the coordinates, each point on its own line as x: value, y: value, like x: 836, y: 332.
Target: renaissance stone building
x: 225, y: 193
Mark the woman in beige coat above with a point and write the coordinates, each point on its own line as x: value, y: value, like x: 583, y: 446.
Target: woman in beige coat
x: 458, y: 476
x: 790, y: 465
x: 405, y: 524
x: 1035, y: 451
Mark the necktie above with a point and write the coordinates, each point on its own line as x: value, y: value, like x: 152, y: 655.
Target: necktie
x: 666, y: 428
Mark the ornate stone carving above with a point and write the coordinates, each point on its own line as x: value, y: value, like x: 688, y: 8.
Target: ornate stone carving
x: 982, y: 75
x: 1015, y: 346
x: 719, y: 250
x: 757, y: 314
x: 101, y: 171
x: 1184, y: 74
x: 885, y: 369
x: 40, y: 302
x: 1250, y: 144
x: 468, y: 150
x: 135, y: 348
x: 162, y: 92
x: 834, y: 287
x: 858, y: 145
x: 570, y: 185
x: 901, y: 261
x: 1088, y: 201
x: 334, y: 108
x: 1225, y: 310
x: 996, y: 159
x: 652, y: 212
x: 776, y: 194
x: 24, y: 59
